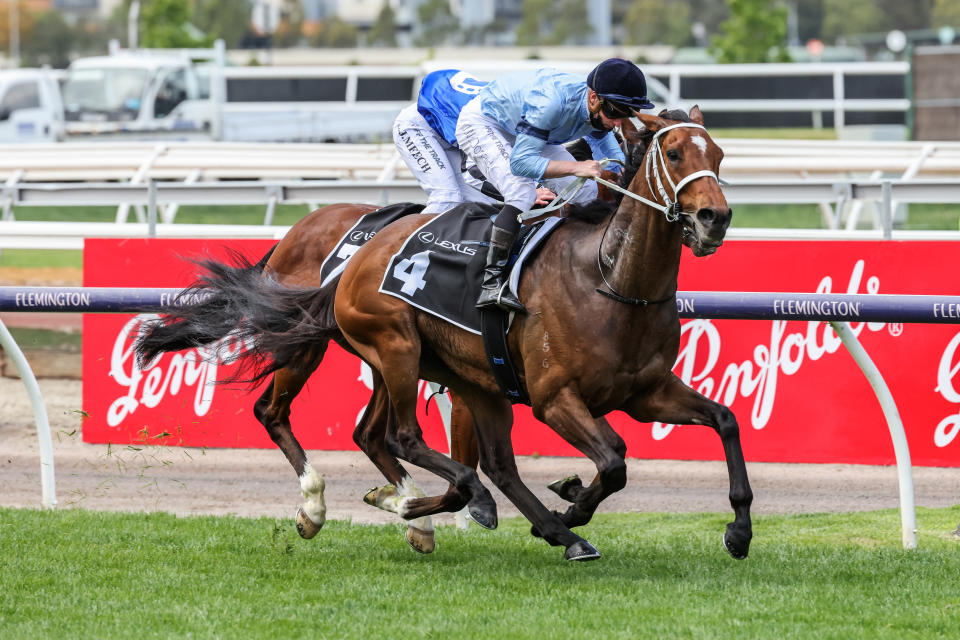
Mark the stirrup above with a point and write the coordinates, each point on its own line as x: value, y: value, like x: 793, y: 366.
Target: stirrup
x: 500, y: 297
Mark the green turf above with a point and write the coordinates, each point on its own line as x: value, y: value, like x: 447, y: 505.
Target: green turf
x: 797, y: 133
x: 46, y: 339
x: 82, y: 574
x: 285, y: 214
x: 34, y: 258
x: 920, y: 217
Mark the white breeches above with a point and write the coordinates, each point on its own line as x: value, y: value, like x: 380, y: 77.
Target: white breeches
x: 488, y: 145
x: 434, y: 163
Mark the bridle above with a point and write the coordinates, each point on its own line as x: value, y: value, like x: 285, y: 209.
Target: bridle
x: 657, y: 165
x: 671, y: 209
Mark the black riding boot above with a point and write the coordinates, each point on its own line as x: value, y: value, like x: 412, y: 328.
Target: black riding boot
x: 501, y: 241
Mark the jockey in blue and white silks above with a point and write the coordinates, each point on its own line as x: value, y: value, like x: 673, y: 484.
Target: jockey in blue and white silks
x: 514, y: 131
x: 424, y: 136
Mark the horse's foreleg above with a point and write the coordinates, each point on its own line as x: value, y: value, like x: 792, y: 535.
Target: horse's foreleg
x: 594, y: 437
x: 272, y: 409
x: 494, y: 422
x: 676, y: 403
x: 370, y: 436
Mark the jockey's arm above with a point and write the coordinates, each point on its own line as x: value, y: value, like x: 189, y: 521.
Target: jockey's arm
x: 526, y: 161
x: 582, y: 169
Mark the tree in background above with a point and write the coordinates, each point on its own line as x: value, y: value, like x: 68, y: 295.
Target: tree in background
x: 658, y: 22
x: 336, y: 33
x: 847, y: 17
x: 809, y: 19
x: 437, y: 23
x: 384, y: 30
x: 552, y: 22
x: 228, y: 20
x: 528, y: 32
x: 51, y: 42
x: 914, y: 14
x: 166, y: 24
x: 290, y: 30
x: 756, y: 31
x: 945, y: 13
x: 571, y: 24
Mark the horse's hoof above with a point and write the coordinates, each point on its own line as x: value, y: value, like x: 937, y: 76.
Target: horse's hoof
x: 567, y: 487
x: 306, y: 527
x: 377, y: 495
x: 581, y: 551
x: 419, y: 540
x: 737, y: 549
x: 486, y: 518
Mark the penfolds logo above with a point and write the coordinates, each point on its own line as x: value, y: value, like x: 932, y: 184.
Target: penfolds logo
x: 782, y: 354
x: 194, y: 370
x: 947, y: 430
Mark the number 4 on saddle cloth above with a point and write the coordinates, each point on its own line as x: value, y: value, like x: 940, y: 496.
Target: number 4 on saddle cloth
x: 439, y: 269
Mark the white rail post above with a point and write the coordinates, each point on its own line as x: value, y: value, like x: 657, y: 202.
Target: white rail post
x: 47, y: 481
x: 839, y: 95
x: 908, y: 516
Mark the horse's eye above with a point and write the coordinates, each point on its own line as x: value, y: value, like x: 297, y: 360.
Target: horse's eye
x: 672, y: 155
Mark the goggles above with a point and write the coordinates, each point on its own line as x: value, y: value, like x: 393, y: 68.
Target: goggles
x: 615, y: 105
x: 614, y: 110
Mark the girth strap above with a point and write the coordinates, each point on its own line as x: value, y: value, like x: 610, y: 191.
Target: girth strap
x: 493, y: 327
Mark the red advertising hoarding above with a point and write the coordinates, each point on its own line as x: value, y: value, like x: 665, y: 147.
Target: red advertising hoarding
x: 797, y: 393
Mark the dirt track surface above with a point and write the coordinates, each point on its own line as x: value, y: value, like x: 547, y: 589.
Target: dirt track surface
x: 253, y: 482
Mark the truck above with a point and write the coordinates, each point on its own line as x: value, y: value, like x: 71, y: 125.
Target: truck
x: 30, y: 106
x: 139, y: 94
x: 194, y: 94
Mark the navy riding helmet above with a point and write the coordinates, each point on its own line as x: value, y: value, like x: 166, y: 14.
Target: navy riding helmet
x: 621, y: 87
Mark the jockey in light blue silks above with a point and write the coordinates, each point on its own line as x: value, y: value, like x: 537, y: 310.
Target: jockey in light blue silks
x: 514, y: 129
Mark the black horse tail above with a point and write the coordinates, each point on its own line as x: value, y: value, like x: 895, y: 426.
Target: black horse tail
x: 204, y: 312
x: 275, y: 323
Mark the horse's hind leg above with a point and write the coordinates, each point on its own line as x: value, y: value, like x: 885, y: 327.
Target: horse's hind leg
x: 370, y: 436
x: 396, y: 355
x: 677, y: 403
x: 272, y: 409
x: 463, y: 449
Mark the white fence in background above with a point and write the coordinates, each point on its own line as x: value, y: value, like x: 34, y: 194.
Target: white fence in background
x: 748, y: 158
x: 844, y: 179
x: 832, y: 196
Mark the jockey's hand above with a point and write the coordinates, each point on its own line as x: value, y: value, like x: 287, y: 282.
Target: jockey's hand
x: 544, y: 195
x: 588, y: 169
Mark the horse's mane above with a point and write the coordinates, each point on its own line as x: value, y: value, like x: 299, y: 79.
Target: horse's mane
x: 597, y: 210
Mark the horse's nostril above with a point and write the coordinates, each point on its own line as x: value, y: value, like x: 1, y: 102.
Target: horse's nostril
x: 706, y: 216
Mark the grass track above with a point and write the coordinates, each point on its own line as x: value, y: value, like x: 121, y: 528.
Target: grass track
x: 75, y: 573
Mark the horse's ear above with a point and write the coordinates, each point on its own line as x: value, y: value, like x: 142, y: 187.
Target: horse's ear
x: 629, y: 131
x: 650, y: 122
x: 696, y: 116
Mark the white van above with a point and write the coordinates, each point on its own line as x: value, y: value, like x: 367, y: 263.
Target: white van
x: 132, y: 94
x: 30, y: 106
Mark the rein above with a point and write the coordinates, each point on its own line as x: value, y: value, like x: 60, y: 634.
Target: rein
x: 671, y: 209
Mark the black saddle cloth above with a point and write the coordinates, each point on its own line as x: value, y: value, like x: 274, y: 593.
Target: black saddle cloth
x: 364, y: 229
x: 439, y: 268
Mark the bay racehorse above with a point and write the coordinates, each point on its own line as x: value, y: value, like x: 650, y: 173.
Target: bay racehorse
x: 601, y: 334
x: 230, y: 306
